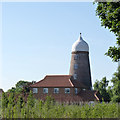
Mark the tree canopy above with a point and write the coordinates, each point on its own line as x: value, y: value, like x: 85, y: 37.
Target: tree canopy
x: 102, y: 88
x: 109, y: 14
x: 109, y: 93
x: 116, y: 86
x: 20, y: 86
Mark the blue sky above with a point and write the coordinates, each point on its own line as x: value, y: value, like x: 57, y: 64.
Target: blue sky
x: 37, y: 39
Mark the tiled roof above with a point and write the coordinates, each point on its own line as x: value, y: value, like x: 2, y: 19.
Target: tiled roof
x: 57, y: 81
x: 88, y: 95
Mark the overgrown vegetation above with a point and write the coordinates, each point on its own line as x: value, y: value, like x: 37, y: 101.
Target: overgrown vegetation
x: 50, y: 109
x: 109, y: 93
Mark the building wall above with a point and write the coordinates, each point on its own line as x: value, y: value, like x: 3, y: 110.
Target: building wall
x: 61, y: 96
x: 83, y: 71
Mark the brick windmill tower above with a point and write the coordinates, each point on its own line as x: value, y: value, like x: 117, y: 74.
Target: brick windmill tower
x: 80, y: 66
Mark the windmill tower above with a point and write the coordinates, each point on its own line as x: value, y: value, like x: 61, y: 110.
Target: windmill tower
x: 80, y: 66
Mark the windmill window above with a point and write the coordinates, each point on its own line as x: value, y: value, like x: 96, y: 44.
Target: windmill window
x: 75, y: 66
x: 75, y: 76
x: 75, y: 57
x: 45, y: 90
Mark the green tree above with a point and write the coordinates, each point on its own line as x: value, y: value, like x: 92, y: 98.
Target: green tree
x: 109, y: 14
x: 102, y: 86
x: 4, y: 102
x: 17, y: 107
x: 116, y: 86
x: 30, y: 100
x: 12, y: 90
x: 21, y: 85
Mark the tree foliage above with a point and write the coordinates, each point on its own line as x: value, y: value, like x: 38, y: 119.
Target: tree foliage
x: 109, y: 92
x: 109, y: 14
x: 102, y: 86
x: 116, y: 86
x: 21, y: 86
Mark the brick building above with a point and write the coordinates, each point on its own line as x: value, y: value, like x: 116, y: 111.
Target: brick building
x: 75, y: 87
x: 63, y: 89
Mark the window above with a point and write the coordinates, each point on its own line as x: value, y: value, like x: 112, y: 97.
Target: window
x: 75, y: 76
x: 75, y: 57
x: 56, y: 90
x: 76, y: 90
x: 83, y: 89
x: 45, y: 90
x: 67, y: 90
x: 75, y: 66
x: 35, y: 90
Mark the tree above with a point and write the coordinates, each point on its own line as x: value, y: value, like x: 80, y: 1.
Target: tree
x: 30, y: 100
x: 17, y: 107
x: 21, y: 86
x: 109, y: 14
x: 12, y: 90
x: 116, y: 86
x: 4, y: 100
x: 102, y: 88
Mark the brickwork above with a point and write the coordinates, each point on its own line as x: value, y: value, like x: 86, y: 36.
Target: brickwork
x: 82, y: 71
x: 82, y: 95
x: 57, y: 96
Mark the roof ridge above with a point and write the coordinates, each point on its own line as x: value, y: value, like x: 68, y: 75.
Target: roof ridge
x: 71, y: 82
x: 54, y: 80
x: 58, y: 75
x: 37, y: 82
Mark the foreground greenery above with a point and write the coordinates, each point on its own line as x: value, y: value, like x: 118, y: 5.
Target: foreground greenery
x: 50, y: 109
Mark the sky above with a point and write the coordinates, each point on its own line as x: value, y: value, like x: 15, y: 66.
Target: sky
x: 37, y: 39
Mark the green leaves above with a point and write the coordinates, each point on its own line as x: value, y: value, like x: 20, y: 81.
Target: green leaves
x: 109, y: 14
x: 41, y: 109
x: 114, y: 53
x: 116, y: 86
x: 101, y: 86
x: 109, y: 92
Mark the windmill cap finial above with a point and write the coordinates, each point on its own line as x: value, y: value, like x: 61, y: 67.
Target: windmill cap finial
x: 80, y: 34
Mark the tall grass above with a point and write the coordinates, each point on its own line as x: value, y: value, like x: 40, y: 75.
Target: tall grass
x: 51, y: 109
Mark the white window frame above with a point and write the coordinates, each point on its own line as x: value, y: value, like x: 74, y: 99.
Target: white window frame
x: 45, y: 90
x: 35, y: 90
x: 75, y: 76
x: 67, y: 90
x: 84, y: 89
x: 76, y: 90
x: 56, y: 90
x: 75, y: 66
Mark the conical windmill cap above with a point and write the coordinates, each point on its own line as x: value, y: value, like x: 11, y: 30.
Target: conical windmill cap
x: 80, y: 45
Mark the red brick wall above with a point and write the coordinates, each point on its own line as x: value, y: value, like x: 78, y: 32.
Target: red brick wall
x: 61, y: 96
